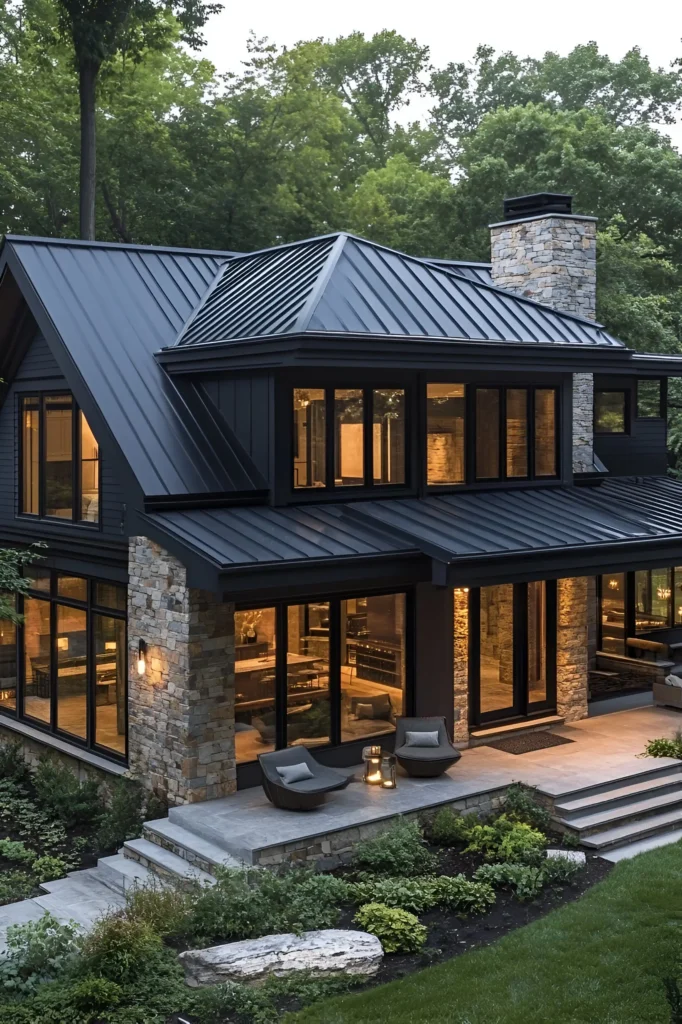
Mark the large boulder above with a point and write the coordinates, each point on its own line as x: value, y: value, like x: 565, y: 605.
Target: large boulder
x: 321, y: 954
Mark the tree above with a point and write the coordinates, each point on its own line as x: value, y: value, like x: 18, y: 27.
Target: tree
x: 101, y: 29
x: 12, y: 580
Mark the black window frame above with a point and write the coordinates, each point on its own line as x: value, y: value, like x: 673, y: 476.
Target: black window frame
x: 630, y: 604
x: 281, y: 607
x: 368, y: 484
x: 627, y: 412
x: 521, y: 706
x: 662, y: 397
x: 470, y: 468
x: 91, y: 609
x: 75, y: 520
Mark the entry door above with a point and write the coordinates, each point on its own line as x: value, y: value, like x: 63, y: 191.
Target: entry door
x: 512, y: 650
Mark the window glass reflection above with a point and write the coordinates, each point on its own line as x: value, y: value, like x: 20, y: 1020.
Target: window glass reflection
x: 372, y: 665
x: 110, y: 682
x: 545, y: 432
x: 59, y: 456
x: 497, y: 648
x: 649, y: 399
x: 72, y: 671
x: 309, y: 437
x: 445, y: 424
x: 517, y: 432
x: 37, y: 659
x: 613, y: 613
x: 89, y: 473
x: 609, y: 412
x: 349, y: 438
x: 388, y: 436
x: 255, y: 656
x: 30, y: 455
x: 308, y: 713
x: 73, y: 587
x: 537, y: 642
x: 653, y: 599
x: 111, y: 595
x: 487, y: 434
x: 8, y: 665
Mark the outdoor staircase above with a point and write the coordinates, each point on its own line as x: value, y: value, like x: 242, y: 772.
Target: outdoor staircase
x: 628, y: 816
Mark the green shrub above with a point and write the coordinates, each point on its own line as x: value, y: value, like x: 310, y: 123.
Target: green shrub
x: 451, y: 829
x: 16, y: 851
x: 463, y: 895
x: 559, y: 870
x: 506, y: 840
x: 122, y: 819
x: 16, y: 885
x: 665, y: 747
x: 61, y: 793
x: 14, y: 768
x: 528, y: 880
x: 247, y: 903
x: 47, y: 869
x: 118, y: 948
x: 420, y: 894
x: 397, y: 930
x: 163, y: 907
x: 521, y: 804
x: 36, y: 952
x: 571, y: 840
x: 95, y: 995
x: 400, y: 850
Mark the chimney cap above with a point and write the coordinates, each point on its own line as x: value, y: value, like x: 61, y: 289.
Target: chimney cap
x: 538, y: 204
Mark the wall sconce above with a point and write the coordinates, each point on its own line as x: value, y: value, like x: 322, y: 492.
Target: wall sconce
x: 142, y: 659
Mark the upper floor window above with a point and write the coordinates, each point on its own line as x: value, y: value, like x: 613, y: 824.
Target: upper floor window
x: 349, y: 437
x: 649, y: 399
x: 514, y: 433
x: 610, y: 412
x: 59, y: 461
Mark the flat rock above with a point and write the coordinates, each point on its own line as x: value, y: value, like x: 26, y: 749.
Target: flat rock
x: 321, y: 953
x: 575, y: 856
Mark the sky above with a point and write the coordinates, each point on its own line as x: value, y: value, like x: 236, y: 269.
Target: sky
x: 453, y: 31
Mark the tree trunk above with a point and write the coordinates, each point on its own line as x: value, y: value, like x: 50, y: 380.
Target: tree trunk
x: 87, y: 85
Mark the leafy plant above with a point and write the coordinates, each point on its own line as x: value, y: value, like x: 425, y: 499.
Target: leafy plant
x: 59, y: 790
x: 46, y: 869
x: 17, y: 851
x: 571, y: 840
x: 528, y: 880
x: 118, y: 948
x: 13, y: 765
x: 464, y: 895
x: 400, y: 850
x: 665, y: 747
x: 36, y: 952
x: 451, y: 829
x: 397, y: 930
x: 506, y: 840
x: 521, y: 804
x: 16, y: 885
x: 122, y: 819
x: 420, y: 894
x: 163, y: 907
x: 95, y: 995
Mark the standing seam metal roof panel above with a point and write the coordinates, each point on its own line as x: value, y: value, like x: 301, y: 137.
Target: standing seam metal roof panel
x: 113, y: 308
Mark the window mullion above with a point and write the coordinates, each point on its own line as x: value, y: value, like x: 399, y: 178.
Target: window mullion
x: 367, y: 416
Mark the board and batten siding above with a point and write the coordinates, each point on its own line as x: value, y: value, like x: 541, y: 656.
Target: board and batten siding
x: 246, y: 404
x: 39, y: 372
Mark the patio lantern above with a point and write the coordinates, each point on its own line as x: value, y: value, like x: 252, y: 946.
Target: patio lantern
x: 388, y: 779
x: 372, y: 758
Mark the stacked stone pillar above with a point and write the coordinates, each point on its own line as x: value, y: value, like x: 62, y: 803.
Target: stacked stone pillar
x: 181, y: 710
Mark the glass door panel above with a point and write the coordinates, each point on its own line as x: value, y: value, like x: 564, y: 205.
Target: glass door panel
x: 255, y: 644
x: 72, y: 670
x: 537, y: 642
x: 496, y: 638
x: 308, y: 711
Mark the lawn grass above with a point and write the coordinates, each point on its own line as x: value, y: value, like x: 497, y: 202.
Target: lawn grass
x: 599, y: 960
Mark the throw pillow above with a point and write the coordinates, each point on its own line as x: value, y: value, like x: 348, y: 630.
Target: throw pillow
x: 421, y: 739
x: 673, y: 681
x: 295, y: 773
x: 364, y: 711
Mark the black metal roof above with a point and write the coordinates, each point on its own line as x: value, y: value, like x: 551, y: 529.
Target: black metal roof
x: 111, y: 307
x: 481, y: 272
x: 340, y: 284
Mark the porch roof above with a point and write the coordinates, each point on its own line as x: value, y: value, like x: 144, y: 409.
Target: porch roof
x: 533, y: 532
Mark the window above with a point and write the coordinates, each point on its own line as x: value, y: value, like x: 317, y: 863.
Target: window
x: 497, y: 648
x: 545, y: 432
x: 649, y: 399
x: 59, y: 462
x: 612, y: 613
x: 487, y: 434
x: 73, y: 664
x: 349, y: 437
x: 339, y: 676
x: 610, y: 412
x: 637, y: 603
x: 445, y: 424
x: 516, y: 433
x: 653, y: 599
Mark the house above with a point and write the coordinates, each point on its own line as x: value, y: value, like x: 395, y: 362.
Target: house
x: 288, y: 495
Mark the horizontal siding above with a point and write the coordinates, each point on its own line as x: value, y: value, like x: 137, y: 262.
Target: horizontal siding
x: 643, y: 452
x: 245, y: 403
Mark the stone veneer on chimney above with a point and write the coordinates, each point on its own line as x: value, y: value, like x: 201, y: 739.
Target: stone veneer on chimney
x: 552, y: 258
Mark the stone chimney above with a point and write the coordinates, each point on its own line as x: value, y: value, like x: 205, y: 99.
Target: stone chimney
x: 545, y: 252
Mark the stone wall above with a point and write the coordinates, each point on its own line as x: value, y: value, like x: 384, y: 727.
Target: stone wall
x: 572, y: 648
x: 553, y: 260
x: 181, y: 710
x: 461, y: 664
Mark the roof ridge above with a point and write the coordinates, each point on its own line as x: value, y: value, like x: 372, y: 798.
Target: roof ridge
x: 309, y: 306
x: 82, y: 243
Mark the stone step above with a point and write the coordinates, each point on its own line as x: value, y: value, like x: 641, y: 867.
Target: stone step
x: 81, y: 897
x: 600, y: 801
x: 634, y: 830
x: 191, y: 847
x: 479, y: 737
x: 618, y: 853
x: 631, y: 811
x: 121, y: 873
x: 667, y: 766
x: 163, y: 862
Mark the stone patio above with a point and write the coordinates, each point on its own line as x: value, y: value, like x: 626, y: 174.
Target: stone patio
x: 605, y: 748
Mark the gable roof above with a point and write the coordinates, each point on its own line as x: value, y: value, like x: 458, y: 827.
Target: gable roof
x: 340, y: 284
x: 105, y: 309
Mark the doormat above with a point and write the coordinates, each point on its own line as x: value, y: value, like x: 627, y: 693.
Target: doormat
x: 525, y: 742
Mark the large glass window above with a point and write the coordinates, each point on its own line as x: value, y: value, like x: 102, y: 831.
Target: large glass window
x: 653, y: 599
x: 445, y: 441
x: 255, y: 638
x: 310, y: 437
x: 537, y: 641
x: 649, y: 399
x: 388, y: 436
x: 349, y: 438
x: 60, y: 468
x: 341, y: 678
x: 308, y: 718
x: 610, y: 412
x: 517, y: 432
x: 613, y: 613
x: 497, y: 648
x: 73, y: 659
x: 545, y: 432
x: 487, y: 433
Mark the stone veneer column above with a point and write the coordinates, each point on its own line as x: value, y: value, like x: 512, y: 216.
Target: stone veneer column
x: 461, y: 664
x: 181, y: 711
x: 572, y: 647
x: 552, y: 259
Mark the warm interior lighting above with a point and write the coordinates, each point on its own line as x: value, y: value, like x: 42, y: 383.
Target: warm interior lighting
x: 461, y: 590
x: 663, y: 593
x: 142, y: 659
x: 613, y: 584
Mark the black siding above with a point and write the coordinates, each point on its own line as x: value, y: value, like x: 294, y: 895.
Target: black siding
x: 246, y: 403
x: 642, y: 451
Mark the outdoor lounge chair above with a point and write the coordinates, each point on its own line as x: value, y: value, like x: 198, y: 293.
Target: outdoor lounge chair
x: 298, y: 796
x: 424, y: 762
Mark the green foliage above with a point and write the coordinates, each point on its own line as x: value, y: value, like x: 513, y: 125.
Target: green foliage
x: 464, y: 895
x: 36, y: 952
x: 16, y: 851
x: 122, y: 819
x: 397, y: 930
x: 163, y: 907
x: 505, y: 840
x: 12, y: 579
x: 59, y: 790
x: 16, y: 885
x: 664, y: 747
x: 400, y: 850
x: 521, y: 804
x: 247, y: 903
x: 528, y: 880
x: 571, y: 840
x: 118, y: 948
x: 13, y: 765
x: 47, y: 869
x: 451, y: 829
x: 95, y: 995
x: 420, y: 894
